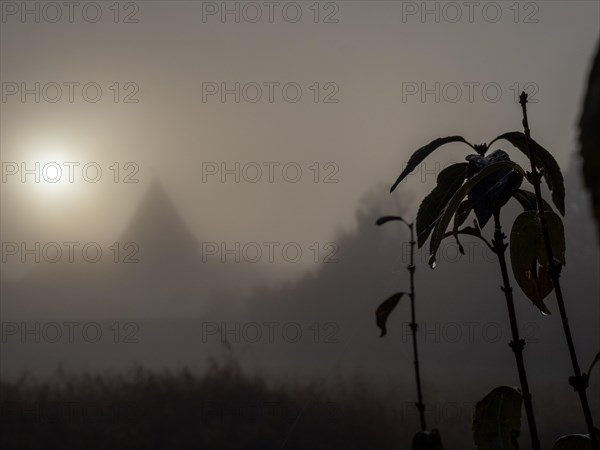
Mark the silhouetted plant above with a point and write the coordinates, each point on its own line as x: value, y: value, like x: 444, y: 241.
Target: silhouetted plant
x: 488, y: 183
x: 544, y: 225
x: 424, y: 440
x: 580, y: 441
x: 497, y: 421
x: 537, y: 244
x: 589, y: 137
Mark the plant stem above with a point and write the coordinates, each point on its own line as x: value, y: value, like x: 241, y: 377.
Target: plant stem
x: 578, y: 381
x: 413, y: 326
x: 517, y: 344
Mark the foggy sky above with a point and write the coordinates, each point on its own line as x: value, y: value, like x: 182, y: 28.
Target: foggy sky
x: 365, y: 138
x: 368, y: 134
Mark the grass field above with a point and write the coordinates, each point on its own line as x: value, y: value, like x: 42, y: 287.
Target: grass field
x: 220, y: 409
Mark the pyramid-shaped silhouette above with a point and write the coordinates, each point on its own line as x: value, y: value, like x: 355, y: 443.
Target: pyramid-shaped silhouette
x: 169, y: 273
x: 159, y: 231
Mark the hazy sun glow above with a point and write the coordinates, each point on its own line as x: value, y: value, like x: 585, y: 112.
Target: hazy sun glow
x: 52, y: 170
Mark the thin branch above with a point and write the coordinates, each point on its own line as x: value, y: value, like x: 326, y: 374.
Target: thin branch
x: 470, y: 231
x: 517, y: 344
x: 578, y: 381
x: 413, y: 325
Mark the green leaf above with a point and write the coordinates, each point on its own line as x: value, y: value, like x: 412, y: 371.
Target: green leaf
x: 497, y: 420
x: 513, y: 183
x: 556, y: 230
x: 462, y: 213
x: 419, y: 156
x: 596, y: 359
x: 528, y: 254
x: 451, y: 208
x: 543, y: 159
x: 386, y: 219
x: 525, y: 252
x: 573, y: 442
x: 492, y: 194
x: 385, y: 309
x: 427, y: 440
x: 448, y: 181
x: 528, y: 201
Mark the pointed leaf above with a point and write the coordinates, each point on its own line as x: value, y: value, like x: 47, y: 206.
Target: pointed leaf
x: 543, y: 159
x: 513, y: 183
x: 448, y: 181
x: 525, y: 240
x: 385, y: 310
x: 462, y: 213
x: 496, y: 190
x: 528, y: 254
x: 419, y: 156
x: 489, y: 196
x: 497, y: 420
x: 556, y: 230
x: 442, y: 224
x: 528, y: 201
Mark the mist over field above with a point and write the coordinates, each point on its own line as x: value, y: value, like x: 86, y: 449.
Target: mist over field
x: 189, y: 227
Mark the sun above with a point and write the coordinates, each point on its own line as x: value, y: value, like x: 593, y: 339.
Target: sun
x: 51, y: 170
